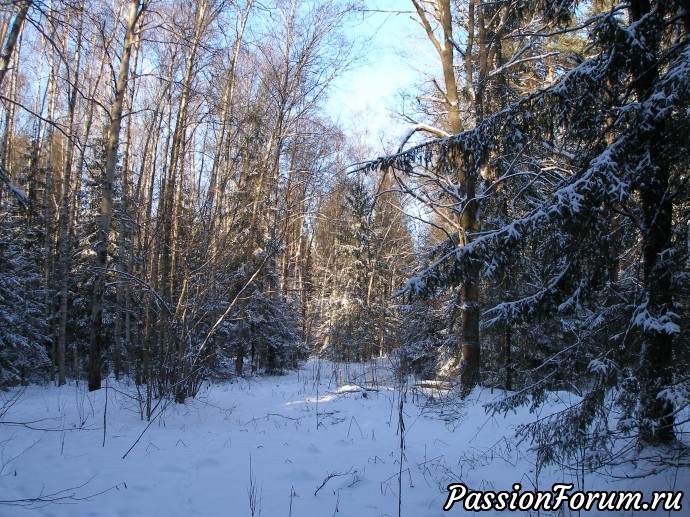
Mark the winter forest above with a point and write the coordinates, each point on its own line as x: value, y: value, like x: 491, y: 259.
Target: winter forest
x: 219, y: 298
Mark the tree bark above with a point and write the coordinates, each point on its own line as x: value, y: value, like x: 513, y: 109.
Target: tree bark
x: 13, y: 36
x: 468, y: 295
x: 655, y: 370
x: 96, y: 337
x: 66, y: 219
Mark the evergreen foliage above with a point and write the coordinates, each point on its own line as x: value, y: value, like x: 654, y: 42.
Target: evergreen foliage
x: 359, y: 247
x: 24, y: 334
x: 587, y: 263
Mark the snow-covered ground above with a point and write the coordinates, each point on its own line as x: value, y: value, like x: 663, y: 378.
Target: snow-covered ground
x: 310, y: 443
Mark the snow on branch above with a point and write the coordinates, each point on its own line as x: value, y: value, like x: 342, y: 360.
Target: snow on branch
x: 662, y: 323
x: 18, y: 193
x: 439, y: 133
x: 516, y: 62
x: 606, y: 174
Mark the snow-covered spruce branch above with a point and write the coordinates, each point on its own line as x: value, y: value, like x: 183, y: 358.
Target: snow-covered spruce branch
x: 439, y: 133
x: 568, y: 199
x: 18, y: 193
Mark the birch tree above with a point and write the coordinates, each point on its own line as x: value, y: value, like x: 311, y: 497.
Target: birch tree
x: 97, y: 338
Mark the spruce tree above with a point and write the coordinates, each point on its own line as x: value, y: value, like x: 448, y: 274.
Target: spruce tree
x: 593, y: 236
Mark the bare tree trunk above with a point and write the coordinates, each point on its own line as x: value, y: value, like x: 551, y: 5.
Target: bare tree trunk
x: 468, y: 294
x: 7, y: 137
x: 124, y: 241
x: 13, y: 36
x: 65, y: 226
x: 96, y: 338
x: 45, y: 139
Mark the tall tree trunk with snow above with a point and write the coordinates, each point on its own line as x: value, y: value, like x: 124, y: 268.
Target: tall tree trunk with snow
x: 9, y: 42
x: 465, y: 221
x: 13, y: 35
x: 172, y: 260
x: 656, y: 370
x: 44, y: 138
x: 97, y: 338
x: 66, y: 219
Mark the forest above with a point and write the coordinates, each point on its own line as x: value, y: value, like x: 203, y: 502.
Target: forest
x: 178, y: 206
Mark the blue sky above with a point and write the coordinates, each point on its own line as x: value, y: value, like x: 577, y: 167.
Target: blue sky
x: 393, y: 61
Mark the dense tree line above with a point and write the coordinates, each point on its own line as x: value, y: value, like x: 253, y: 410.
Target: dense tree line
x: 558, y: 177
x: 177, y: 203
x: 165, y: 163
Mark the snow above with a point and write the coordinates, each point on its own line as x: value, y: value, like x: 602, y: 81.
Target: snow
x: 326, y: 422
x: 663, y: 323
x: 415, y: 284
x: 19, y: 193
